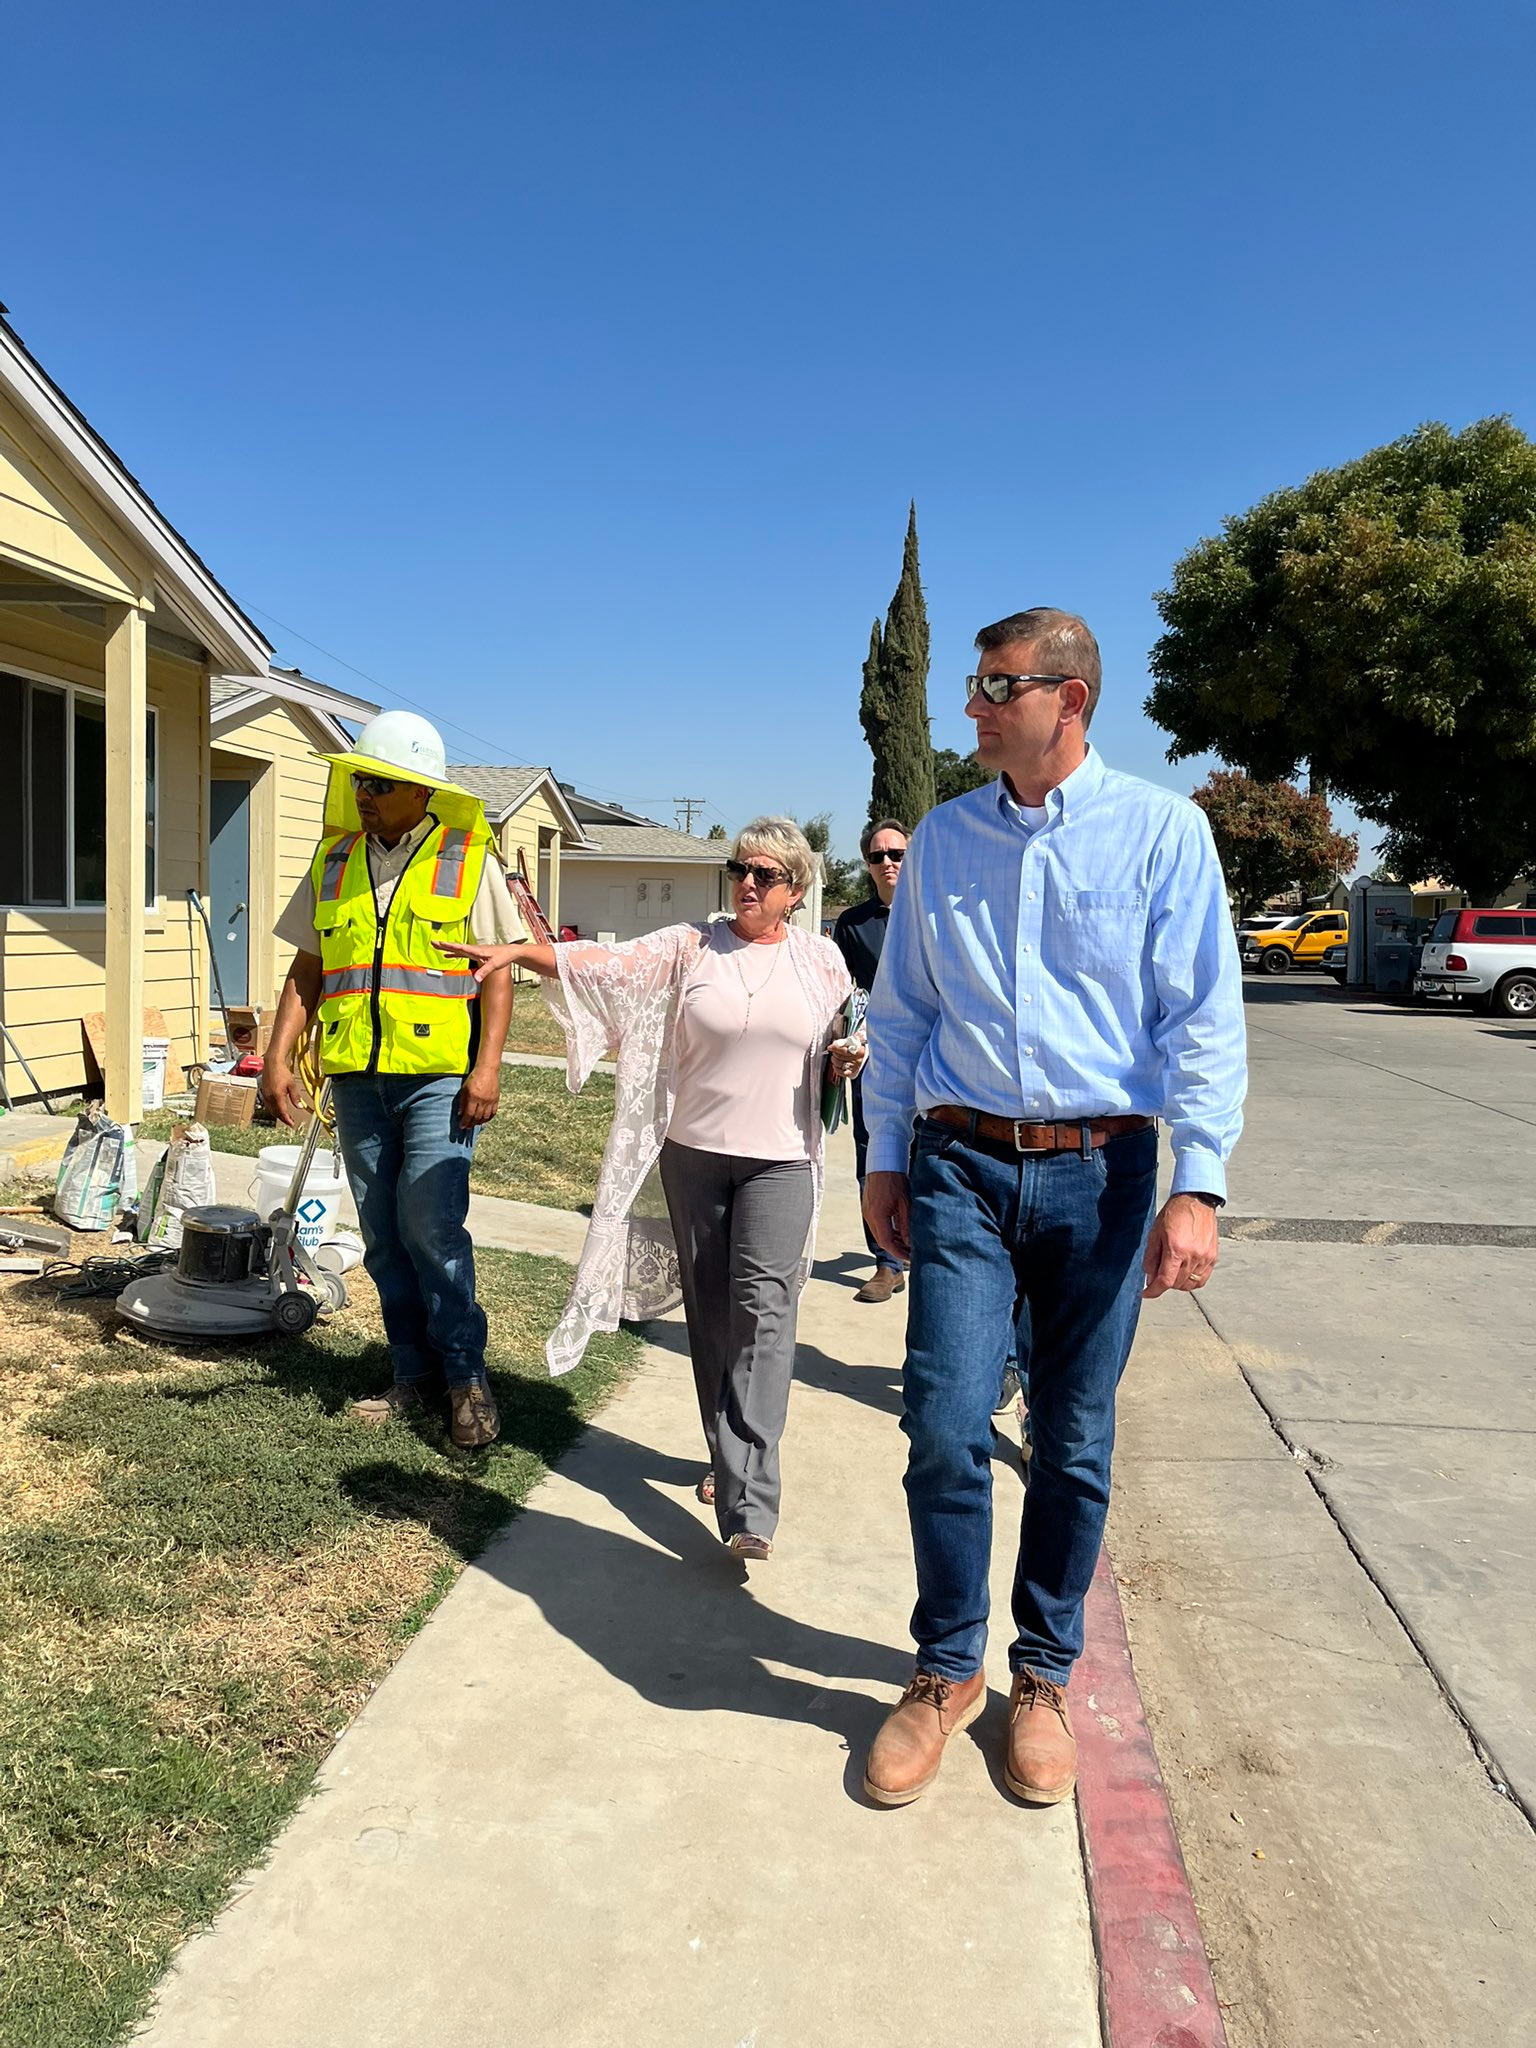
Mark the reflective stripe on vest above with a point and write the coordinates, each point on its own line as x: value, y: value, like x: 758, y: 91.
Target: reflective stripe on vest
x: 400, y: 981
x: 334, y: 872
x: 390, y: 1002
x: 428, y: 981
x: 448, y: 874
x: 346, y: 981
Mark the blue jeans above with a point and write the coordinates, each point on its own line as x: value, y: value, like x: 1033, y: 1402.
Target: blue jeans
x: 878, y: 1252
x: 408, y: 1164
x: 1046, y: 1251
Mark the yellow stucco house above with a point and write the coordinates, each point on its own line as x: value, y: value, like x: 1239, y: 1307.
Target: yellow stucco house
x: 148, y: 748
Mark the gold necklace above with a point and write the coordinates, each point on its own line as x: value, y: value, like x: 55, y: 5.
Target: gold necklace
x: 750, y: 990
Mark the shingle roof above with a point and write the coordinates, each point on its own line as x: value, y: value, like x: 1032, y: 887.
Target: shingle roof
x: 495, y: 787
x: 651, y: 842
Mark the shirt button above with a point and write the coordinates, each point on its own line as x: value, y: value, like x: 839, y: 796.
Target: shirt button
x: 1029, y: 949
x: 1028, y: 999
x: 1030, y: 895
x: 1029, y: 1052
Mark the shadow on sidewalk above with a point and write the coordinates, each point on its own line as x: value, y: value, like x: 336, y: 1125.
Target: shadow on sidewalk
x: 878, y: 1386
x: 674, y: 1617
x: 848, y: 1269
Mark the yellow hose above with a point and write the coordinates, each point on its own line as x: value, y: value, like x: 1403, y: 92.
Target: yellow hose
x: 307, y: 1066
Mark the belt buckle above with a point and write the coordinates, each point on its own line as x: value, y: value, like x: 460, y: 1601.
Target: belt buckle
x: 1026, y: 1151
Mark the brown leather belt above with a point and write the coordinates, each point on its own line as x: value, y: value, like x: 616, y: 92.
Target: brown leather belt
x: 1019, y: 1136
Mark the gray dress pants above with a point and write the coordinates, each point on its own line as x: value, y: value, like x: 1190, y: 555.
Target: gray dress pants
x: 741, y: 1226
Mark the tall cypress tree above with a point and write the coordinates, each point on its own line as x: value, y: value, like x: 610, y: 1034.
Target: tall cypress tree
x: 893, y: 708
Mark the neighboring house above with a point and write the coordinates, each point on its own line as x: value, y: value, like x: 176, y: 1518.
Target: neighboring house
x: 601, y: 869
x: 1336, y: 898
x: 532, y: 816
x: 140, y: 718
x: 635, y: 875
x: 1433, y: 896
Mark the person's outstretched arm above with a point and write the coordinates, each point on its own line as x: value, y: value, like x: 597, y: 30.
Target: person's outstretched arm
x: 533, y: 954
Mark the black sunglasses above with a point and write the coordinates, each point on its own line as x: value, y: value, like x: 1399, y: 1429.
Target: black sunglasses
x: 765, y: 878
x: 894, y: 853
x: 998, y: 689
x: 373, y: 785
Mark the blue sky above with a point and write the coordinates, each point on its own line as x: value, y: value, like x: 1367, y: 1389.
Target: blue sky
x: 567, y: 371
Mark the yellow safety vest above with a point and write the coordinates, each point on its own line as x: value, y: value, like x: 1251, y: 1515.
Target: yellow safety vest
x: 390, y: 1002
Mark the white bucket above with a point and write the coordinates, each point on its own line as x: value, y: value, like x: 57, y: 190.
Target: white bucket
x: 157, y: 1052
x: 339, y: 1254
x: 319, y: 1204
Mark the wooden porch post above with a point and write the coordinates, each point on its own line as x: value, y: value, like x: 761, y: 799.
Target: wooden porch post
x: 552, y: 909
x: 127, y: 724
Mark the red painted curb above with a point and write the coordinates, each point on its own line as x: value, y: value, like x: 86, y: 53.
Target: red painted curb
x: 1156, y: 1980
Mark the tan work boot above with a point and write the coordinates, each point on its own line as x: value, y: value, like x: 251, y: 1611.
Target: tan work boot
x: 403, y: 1402
x: 881, y: 1285
x: 905, y: 1757
x: 1041, y: 1764
x: 475, y: 1421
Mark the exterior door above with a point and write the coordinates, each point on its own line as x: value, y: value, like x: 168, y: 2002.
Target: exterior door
x: 229, y: 886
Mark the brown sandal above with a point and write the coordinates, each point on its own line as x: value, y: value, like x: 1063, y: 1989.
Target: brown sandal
x: 706, y: 1489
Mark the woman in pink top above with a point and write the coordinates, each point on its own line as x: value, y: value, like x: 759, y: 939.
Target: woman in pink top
x: 721, y: 1032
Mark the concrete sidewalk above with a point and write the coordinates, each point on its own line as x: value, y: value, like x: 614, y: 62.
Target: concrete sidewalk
x: 611, y: 1794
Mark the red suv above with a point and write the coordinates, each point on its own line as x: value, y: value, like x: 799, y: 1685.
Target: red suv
x: 1486, y: 955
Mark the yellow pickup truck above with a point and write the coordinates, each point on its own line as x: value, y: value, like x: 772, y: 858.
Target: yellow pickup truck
x: 1299, y: 942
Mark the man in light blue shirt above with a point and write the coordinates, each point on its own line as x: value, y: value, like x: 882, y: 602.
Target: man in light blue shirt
x: 1060, y: 972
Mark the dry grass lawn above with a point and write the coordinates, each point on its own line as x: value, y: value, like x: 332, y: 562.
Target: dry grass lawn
x: 205, y: 1568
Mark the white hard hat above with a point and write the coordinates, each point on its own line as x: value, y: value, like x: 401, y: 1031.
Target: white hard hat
x: 401, y: 739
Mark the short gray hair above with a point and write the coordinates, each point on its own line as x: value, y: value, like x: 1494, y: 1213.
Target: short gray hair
x: 782, y: 839
x: 1061, y: 640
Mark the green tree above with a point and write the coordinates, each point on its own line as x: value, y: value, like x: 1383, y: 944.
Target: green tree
x: 1271, y: 837
x: 717, y: 832
x: 893, y: 708
x: 1379, y: 624
x: 954, y: 774
x: 842, y: 881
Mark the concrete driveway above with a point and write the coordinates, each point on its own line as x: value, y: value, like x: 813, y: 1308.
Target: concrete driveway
x: 1378, y: 1287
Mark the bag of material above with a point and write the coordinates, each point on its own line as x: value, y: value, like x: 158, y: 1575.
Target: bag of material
x: 181, y: 1179
x: 89, y: 1190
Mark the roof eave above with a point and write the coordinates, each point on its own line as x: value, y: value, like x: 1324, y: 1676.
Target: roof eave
x: 570, y: 827
x: 181, y: 580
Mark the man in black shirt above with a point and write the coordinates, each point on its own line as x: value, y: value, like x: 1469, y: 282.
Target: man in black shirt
x: 859, y: 935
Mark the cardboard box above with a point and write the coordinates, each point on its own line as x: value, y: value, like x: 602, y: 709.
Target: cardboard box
x: 247, y: 1030
x: 225, y: 1099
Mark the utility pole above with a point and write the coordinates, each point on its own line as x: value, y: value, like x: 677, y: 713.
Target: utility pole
x: 685, y: 808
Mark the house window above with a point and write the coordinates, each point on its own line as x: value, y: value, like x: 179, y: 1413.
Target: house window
x: 53, y: 796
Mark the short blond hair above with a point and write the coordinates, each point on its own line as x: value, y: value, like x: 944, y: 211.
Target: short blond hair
x: 782, y: 840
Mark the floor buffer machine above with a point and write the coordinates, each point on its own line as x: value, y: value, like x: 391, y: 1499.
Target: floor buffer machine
x: 237, y: 1275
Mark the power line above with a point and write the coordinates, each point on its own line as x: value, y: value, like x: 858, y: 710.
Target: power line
x: 480, y: 740
x: 686, y: 806
x: 427, y: 711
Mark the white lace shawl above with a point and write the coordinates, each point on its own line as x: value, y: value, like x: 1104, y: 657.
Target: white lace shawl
x: 628, y: 997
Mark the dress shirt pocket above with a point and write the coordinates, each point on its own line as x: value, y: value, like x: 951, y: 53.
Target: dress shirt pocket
x: 1103, y: 932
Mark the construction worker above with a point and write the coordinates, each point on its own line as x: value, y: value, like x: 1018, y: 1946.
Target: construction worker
x: 411, y: 1042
